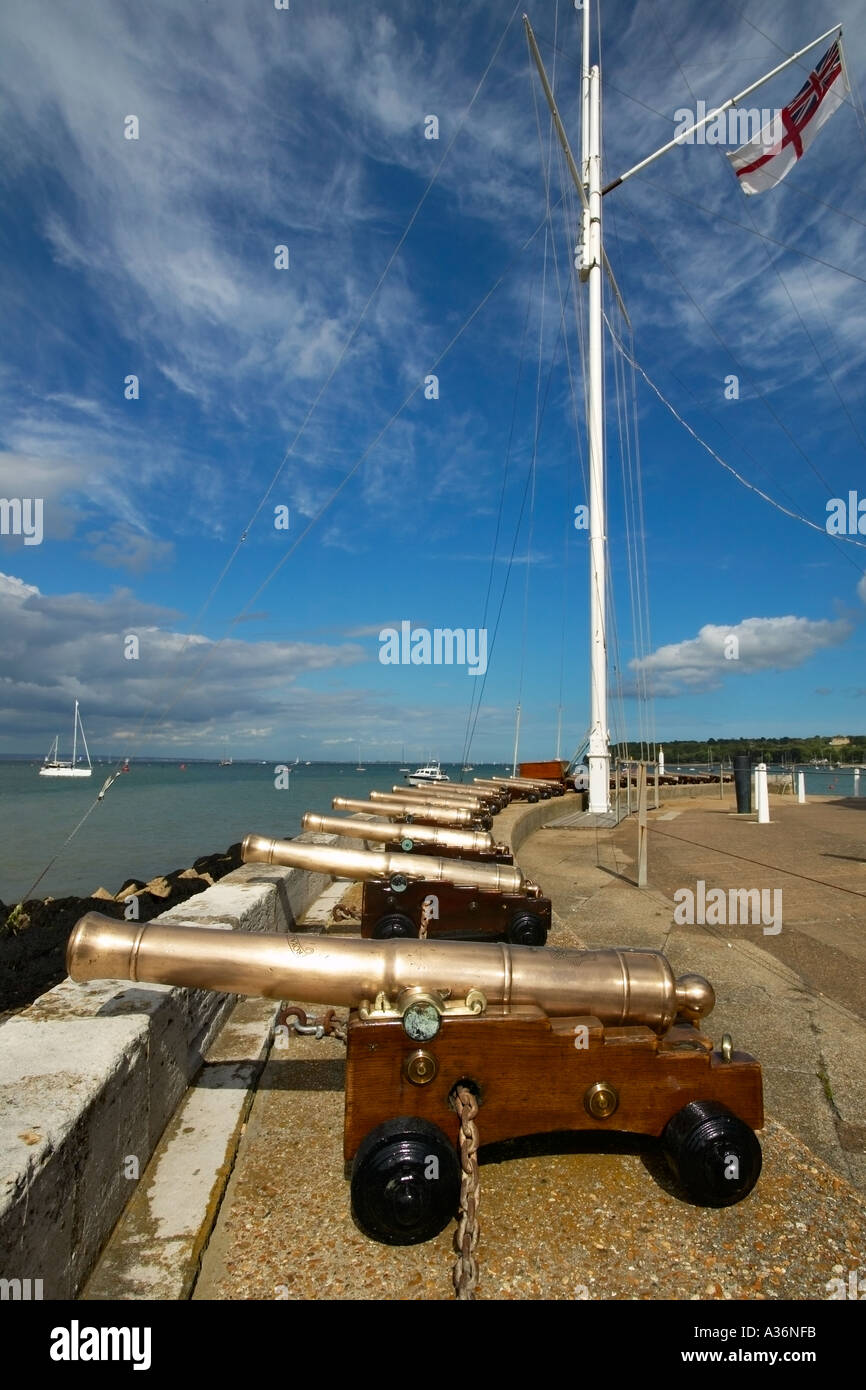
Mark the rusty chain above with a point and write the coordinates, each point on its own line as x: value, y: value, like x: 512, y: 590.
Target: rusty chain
x: 465, y: 1274
x: 466, y: 1235
x: 328, y: 1026
x: 339, y: 913
x: 426, y: 918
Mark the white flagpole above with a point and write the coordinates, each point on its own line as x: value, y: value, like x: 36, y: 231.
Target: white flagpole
x: 592, y: 259
x: 591, y: 270
x: 516, y: 741
x: 733, y: 101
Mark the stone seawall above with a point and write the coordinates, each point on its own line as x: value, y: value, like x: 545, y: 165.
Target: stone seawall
x: 90, y: 1076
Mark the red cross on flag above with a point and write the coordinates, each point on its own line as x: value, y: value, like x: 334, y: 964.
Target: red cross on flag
x: 765, y: 161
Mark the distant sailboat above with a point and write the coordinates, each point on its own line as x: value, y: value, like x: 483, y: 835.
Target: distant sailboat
x: 55, y: 766
x: 360, y: 767
x: 403, y: 759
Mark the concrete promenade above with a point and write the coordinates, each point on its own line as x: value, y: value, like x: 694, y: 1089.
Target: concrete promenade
x: 588, y: 1219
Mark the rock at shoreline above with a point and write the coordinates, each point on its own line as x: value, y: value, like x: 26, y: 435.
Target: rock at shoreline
x: 33, y: 940
x: 132, y: 885
x: 219, y: 864
x: 158, y: 888
x: 191, y: 873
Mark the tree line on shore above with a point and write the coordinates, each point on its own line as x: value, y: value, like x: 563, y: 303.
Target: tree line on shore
x: 770, y: 750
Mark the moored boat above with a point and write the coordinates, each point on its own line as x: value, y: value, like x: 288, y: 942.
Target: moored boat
x: 430, y: 772
x: 55, y: 766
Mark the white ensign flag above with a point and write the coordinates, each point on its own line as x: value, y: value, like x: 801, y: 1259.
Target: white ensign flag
x: 764, y: 162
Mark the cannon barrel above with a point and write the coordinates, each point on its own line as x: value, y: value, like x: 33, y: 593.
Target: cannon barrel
x: 436, y: 836
x: 450, y: 793
x: 513, y: 787
x: 457, y: 813
x: 455, y: 789
x: 618, y: 987
x: 539, y: 783
x: 372, y: 864
x: 542, y: 784
x: 404, y: 810
x: 456, y: 803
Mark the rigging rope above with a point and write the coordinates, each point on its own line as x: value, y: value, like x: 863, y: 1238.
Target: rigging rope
x: 351, y: 338
x: 796, y: 516
x: 112, y: 777
x: 516, y: 536
x: 550, y: 239
x: 801, y: 64
x: 762, y: 396
x: 154, y: 717
x: 472, y: 716
x: 148, y: 720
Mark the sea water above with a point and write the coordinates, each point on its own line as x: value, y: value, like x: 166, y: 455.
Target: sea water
x: 159, y: 817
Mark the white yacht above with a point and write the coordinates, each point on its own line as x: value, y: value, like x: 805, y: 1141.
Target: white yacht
x: 430, y: 772
x: 55, y: 766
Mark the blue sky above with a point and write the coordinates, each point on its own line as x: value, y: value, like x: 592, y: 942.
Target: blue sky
x: 306, y: 128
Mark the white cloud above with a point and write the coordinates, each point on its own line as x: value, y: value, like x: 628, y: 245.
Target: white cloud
x: 754, y: 644
x: 182, y: 688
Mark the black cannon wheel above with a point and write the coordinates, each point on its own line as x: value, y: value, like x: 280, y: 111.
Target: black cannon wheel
x: 525, y: 929
x: 405, y: 1182
x: 715, y: 1155
x: 394, y: 924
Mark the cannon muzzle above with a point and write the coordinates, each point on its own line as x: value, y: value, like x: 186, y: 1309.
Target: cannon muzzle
x: 364, y: 864
x: 618, y: 987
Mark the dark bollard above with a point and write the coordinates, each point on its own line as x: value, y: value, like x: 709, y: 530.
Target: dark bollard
x: 743, y: 783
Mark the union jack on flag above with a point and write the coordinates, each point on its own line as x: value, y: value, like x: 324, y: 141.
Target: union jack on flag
x: 765, y: 161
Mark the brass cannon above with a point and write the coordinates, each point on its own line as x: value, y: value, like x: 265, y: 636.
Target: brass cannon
x: 455, y: 803
x: 489, y: 796
x: 528, y: 788
x: 442, y: 841
x: 547, y: 1040
x: 419, y: 895
x: 412, y: 812
x: 419, y: 803
x: 513, y: 790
